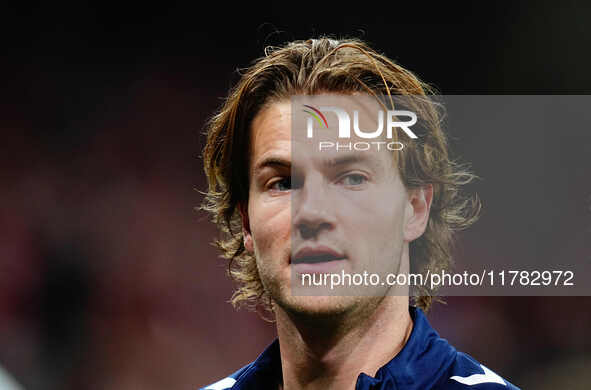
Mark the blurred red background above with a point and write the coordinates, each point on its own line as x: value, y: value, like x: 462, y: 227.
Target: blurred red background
x: 108, y: 279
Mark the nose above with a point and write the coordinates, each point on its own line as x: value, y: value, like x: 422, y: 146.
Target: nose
x: 313, y: 210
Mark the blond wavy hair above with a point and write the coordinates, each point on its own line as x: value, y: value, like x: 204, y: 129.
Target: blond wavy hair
x: 330, y: 66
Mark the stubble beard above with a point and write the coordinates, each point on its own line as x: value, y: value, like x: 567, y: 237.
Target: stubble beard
x: 331, y: 311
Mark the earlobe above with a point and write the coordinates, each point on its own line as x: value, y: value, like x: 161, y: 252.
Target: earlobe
x: 246, y: 234
x: 419, y: 206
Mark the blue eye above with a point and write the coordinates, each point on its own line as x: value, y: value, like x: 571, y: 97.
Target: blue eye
x: 282, y: 185
x: 354, y: 179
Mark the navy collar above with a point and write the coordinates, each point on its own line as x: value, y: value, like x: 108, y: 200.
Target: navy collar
x: 419, y: 365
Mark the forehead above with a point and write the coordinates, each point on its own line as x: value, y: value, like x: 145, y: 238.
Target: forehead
x: 272, y: 139
x: 271, y: 125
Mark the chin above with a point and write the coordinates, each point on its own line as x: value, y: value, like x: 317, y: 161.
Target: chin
x: 318, y: 306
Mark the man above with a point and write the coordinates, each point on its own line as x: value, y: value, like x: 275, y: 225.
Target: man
x: 290, y: 210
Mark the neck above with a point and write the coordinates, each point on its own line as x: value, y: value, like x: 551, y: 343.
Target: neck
x: 330, y: 352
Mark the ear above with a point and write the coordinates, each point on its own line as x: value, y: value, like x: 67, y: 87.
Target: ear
x: 248, y: 244
x: 417, y: 212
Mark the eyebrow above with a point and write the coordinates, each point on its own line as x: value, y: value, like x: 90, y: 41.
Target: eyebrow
x: 352, y: 159
x: 347, y: 159
x: 271, y: 162
x: 278, y: 162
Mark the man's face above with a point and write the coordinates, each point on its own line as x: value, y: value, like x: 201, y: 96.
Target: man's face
x: 303, y: 202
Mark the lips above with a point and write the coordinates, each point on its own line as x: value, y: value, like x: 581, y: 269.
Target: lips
x: 319, y: 254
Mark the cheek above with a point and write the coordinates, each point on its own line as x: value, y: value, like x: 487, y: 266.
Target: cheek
x: 382, y: 228
x: 271, y: 233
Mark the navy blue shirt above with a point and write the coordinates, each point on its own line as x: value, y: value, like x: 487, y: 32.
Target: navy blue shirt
x: 426, y: 362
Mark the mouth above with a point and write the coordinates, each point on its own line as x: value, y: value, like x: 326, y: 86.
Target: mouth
x: 316, y: 255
